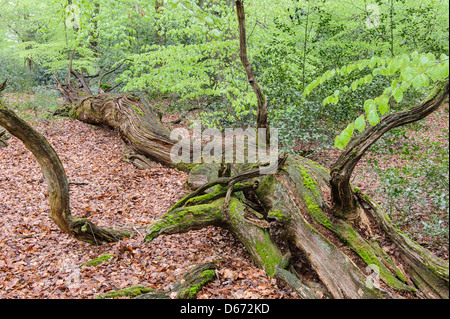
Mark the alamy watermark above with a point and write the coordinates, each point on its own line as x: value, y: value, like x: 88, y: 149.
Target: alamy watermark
x: 68, y: 266
x: 73, y: 16
x: 233, y: 145
x: 373, y: 278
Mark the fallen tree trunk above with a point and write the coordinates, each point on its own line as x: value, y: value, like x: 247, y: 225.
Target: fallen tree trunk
x: 131, y: 115
x: 284, y: 220
x: 136, y: 122
x: 279, y: 217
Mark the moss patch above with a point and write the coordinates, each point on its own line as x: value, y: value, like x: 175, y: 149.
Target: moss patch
x: 131, y: 292
x: 207, y: 276
x: 98, y: 260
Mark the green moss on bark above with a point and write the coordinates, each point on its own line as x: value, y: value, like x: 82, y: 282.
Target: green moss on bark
x: 130, y: 292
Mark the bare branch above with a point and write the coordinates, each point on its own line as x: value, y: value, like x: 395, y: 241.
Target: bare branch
x: 109, y: 72
x: 263, y: 113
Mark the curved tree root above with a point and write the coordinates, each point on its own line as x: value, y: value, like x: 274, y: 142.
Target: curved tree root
x: 189, y: 285
x: 58, y: 186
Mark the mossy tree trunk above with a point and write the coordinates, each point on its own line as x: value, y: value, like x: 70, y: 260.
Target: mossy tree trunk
x: 341, y: 190
x: 283, y: 216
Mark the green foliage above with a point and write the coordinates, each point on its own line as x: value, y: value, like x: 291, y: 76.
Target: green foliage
x: 415, y: 72
x: 415, y: 194
x: 188, y: 51
x: 19, y: 78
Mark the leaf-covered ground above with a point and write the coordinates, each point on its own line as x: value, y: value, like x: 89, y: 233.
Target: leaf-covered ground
x: 37, y: 260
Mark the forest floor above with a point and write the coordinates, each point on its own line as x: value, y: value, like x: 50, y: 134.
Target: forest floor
x: 37, y: 260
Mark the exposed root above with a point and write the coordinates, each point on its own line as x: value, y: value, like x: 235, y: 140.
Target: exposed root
x: 429, y: 273
x: 187, y: 287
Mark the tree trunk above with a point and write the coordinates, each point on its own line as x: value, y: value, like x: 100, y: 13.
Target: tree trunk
x: 58, y: 186
x: 263, y: 112
x: 131, y: 115
x: 341, y: 190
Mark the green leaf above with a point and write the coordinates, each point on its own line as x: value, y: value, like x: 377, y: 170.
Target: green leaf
x: 398, y: 94
x: 350, y: 130
x: 424, y: 59
x: 360, y: 123
x: 372, y: 62
x: 373, y: 117
x: 368, y: 79
x: 417, y: 82
x: 338, y: 143
x: 376, y: 71
x: 326, y: 101
x: 369, y: 105
x: 209, y: 21
x: 383, y: 107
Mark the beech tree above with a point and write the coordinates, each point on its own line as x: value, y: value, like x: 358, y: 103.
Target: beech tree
x: 301, y: 214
